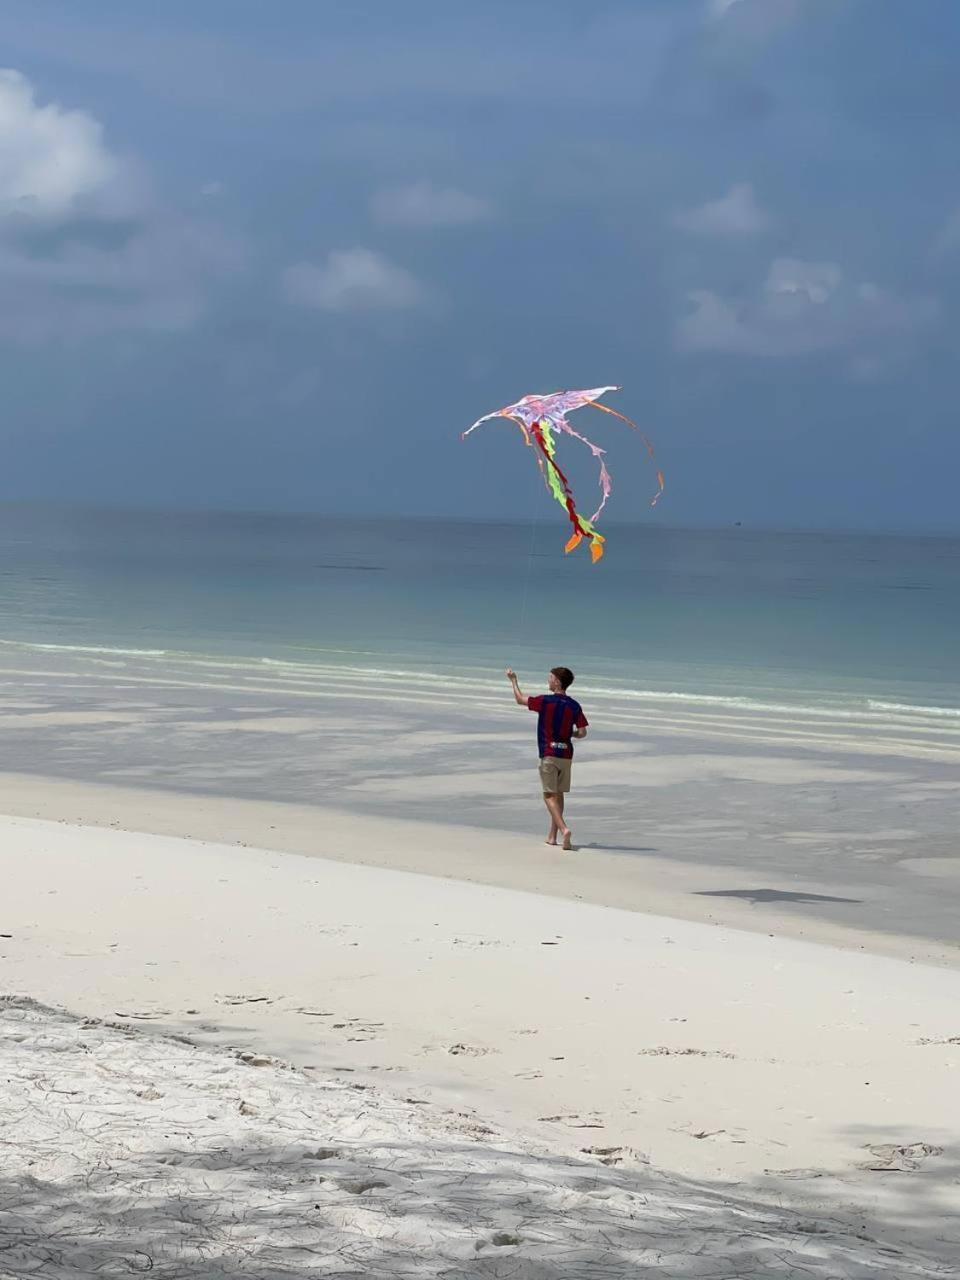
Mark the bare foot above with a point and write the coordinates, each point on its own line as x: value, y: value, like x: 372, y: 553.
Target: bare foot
x: 552, y: 841
x: 567, y: 839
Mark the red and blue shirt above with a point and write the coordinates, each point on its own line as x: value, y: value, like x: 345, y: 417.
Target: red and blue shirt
x: 557, y: 717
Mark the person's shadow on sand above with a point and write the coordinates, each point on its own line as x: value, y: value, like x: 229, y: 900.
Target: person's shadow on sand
x: 619, y: 848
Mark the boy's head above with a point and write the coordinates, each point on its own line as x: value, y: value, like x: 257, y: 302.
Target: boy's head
x: 561, y: 678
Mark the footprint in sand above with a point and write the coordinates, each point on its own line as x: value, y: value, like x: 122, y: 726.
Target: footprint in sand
x: 606, y: 1155
x: 501, y: 1240
x: 256, y: 1059
x: 359, y: 1030
x: 615, y: 1155
x: 661, y: 1051
x: 573, y: 1121
x: 469, y: 1051
x: 887, y: 1157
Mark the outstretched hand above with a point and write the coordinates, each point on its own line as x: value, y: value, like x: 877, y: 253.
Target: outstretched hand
x: 517, y: 691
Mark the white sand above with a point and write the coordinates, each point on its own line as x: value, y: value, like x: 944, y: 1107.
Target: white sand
x: 604, y: 876
x: 719, y: 1055
x: 129, y: 1154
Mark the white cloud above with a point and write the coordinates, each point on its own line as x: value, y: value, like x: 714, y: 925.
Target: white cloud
x: 51, y: 159
x: 423, y: 205
x: 801, y: 308
x: 84, y: 250
x: 814, y: 282
x: 736, y: 213
x: 352, y: 280
x: 156, y: 278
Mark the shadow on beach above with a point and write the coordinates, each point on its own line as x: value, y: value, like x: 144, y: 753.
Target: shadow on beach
x: 129, y: 1153
x: 454, y: 1210
x: 758, y: 896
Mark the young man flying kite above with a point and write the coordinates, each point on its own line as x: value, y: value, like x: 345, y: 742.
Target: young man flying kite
x: 560, y: 719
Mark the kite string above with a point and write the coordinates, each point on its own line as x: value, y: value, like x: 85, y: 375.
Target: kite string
x: 534, y: 526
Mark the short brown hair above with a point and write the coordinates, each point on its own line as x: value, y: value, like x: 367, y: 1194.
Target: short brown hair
x: 564, y: 675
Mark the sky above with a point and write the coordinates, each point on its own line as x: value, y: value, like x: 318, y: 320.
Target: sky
x: 278, y: 256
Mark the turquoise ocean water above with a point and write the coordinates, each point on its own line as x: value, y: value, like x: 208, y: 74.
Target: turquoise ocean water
x: 731, y: 617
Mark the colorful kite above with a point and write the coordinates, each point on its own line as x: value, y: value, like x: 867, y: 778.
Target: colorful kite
x: 539, y: 418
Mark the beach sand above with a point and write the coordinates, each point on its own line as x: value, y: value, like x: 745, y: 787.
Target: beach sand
x: 720, y: 1040
x: 133, y: 1154
x: 769, y: 1076
x: 835, y: 825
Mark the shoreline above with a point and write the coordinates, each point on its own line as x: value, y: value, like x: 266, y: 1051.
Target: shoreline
x: 713, y: 697
x: 832, y: 829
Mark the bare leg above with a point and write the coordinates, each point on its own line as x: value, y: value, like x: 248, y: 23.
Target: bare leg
x: 567, y: 835
x: 552, y: 834
x: 554, y: 803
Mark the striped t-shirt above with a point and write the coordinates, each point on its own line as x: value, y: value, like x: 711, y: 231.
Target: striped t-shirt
x: 557, y: 717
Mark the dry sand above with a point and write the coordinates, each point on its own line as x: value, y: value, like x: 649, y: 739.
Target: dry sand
x: 811, y: 903
x: 129, y: 1154
x: 769, y: 1071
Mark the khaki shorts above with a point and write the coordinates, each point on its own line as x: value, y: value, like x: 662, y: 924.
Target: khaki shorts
x: 555, y: 775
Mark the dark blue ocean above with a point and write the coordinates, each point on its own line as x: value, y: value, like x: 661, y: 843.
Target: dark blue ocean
x: 705, y: 616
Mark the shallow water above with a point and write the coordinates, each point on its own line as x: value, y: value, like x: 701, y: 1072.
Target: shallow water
x: 729, y: 618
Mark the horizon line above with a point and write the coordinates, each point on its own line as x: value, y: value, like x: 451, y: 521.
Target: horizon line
x: 190, y: 509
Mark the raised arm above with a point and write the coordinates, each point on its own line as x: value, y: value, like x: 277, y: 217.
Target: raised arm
x: 517, y: 691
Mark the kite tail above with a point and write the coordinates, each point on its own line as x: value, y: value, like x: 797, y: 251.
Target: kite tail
x: 605, y: 408
x: 560, y: 488
x: 605, y: 480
